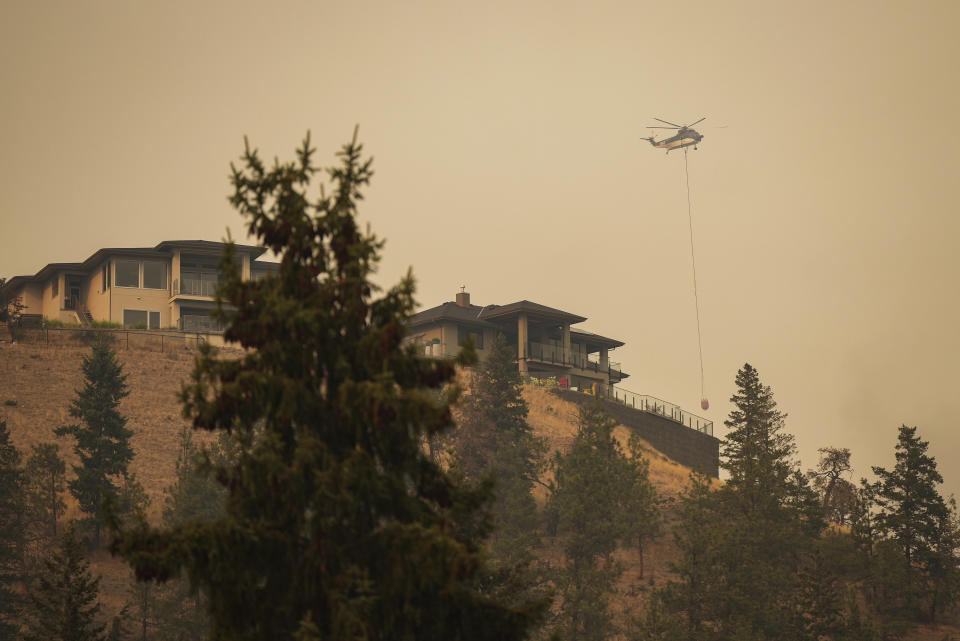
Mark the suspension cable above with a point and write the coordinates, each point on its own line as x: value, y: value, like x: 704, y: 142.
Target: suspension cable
x: 693, y: 262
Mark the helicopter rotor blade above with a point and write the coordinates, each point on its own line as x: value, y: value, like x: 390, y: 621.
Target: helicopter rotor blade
x: 656, y: 127
x: 667, y: 122
x: 698, y: 122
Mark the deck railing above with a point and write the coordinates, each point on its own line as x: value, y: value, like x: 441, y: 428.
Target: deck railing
x: 660, y: 407
x: 201, y: 285
x: 555, y: 354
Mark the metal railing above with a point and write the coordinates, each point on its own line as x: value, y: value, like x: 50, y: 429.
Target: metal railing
x: 132, y: 339
x: 199, y: 322
x: 556, y: 355
x: 200, y: 285
x: 660, y: 407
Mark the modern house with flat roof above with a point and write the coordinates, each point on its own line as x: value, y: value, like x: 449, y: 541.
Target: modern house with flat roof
x: 546, y: 342
x: 170, y: 285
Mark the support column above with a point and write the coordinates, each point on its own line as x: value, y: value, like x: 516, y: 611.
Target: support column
x: 522, y: 340
x: 175, y: 314
x: 175, y: 273
x: 605, y: 369
x: 245, y: 267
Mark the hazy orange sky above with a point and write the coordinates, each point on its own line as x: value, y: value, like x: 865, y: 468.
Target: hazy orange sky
x: 509, y: 158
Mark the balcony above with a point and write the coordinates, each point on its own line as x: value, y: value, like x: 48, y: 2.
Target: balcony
x: 203, y: 285
x: 556, y: 355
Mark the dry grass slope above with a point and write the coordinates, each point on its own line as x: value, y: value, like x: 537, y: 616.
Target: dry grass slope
x: 37, y: 383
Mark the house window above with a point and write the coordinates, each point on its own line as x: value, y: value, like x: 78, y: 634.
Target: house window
x: 56, y: 286
x: 128, y: 274
x: 135, y: 318
x: 105, y: 278
x: 154, y: 275
x: 464, y: 332
x: 141, y: 319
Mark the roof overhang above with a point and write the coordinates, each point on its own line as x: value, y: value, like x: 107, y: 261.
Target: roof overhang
x: 533, y: 311
x: 595, y: 340
x: 207, y: 246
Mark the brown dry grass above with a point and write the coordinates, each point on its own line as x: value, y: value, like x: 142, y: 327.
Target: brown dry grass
x: 42, y: 381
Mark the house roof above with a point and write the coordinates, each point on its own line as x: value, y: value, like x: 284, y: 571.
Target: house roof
x: 595, y: 339
x: 532, y: 309
x: 450, y: 311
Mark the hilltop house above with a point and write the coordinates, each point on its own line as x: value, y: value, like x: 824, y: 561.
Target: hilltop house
x: 170, y: 285
x: 546, y: 343
x: 548, y: 346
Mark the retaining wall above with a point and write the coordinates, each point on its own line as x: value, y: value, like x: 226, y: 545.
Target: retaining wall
x: 682, y: 444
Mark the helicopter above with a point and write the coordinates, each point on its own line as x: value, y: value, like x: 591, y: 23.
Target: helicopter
x: 686, y: 136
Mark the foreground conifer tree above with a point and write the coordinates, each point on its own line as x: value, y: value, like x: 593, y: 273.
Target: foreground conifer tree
x: 103, y: 440
x: 64, y: 603
x: 338, y: 525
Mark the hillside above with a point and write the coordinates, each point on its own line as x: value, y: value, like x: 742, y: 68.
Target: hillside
x: 37, y: 383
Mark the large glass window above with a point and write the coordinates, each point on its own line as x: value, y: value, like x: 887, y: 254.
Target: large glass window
x: 154, y: 320
x: 128, y: 274
x: 464, y: 332
x: 135, y: 318
x: 154, y: 275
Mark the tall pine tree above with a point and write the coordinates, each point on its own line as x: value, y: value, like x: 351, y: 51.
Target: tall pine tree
x: 102, y: 439
x: 744, y: 544
x: 494, y: 441
x: 337, y: 525
x: 922, y: 524
x: 45, y: 474
x: 64, y: 602
x: 600, y: 499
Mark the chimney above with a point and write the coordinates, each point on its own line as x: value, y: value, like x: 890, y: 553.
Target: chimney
x: 463, y: 298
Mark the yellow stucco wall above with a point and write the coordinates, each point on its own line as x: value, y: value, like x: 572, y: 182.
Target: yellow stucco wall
x: 31, y: 296
x: 51, y: 304
x: 138, y: 298
x: 93, y: 296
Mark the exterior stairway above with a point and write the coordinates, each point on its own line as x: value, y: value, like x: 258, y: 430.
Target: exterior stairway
x: 85, y: 317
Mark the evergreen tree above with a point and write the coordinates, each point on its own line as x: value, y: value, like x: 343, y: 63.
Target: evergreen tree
x: 45, y: 474
x: 11, y: 533
x: 756, y: 451
x: 743, y: 545
x: 64, y: 602
x: 337, y: 524
x: 194, y: 495
x: 174, y: 610
x: 494, y: 441
x: 685, y: 609
x: 596, y: 488
x: 915, y: 516
x: 103, y: 441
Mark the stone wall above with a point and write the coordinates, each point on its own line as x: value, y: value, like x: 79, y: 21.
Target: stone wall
x: 682, y: 444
